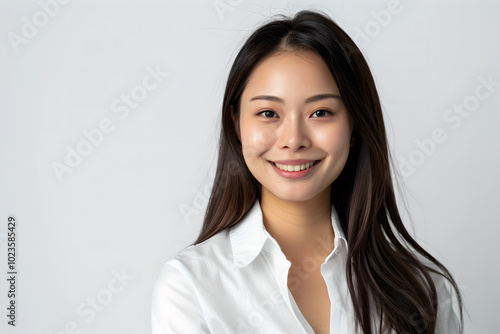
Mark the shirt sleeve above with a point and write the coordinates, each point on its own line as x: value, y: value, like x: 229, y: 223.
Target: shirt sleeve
x: 448, y: 319
x: 175, y: 304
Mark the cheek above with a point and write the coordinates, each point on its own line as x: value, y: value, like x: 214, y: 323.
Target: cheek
x: 256, y: 139
x: 336, y: 140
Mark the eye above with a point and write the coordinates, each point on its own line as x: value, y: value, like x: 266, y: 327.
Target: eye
x: 267, y: 113
x: 321, y: 113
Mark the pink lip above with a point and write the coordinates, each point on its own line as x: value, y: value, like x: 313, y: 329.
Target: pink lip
x: 294, y: 175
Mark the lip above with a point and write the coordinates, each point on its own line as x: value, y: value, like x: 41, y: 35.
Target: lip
x: 294, y: 175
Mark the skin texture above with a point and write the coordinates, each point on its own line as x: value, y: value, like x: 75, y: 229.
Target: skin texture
x: 297, y: 211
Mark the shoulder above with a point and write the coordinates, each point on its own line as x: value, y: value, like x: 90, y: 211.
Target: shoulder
x: 213, y: 252
x: 200, y: 259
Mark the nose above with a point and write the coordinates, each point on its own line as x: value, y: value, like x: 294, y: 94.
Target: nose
x: 293, y: 134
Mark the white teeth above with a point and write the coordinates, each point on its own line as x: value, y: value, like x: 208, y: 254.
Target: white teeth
x: 295, y: 168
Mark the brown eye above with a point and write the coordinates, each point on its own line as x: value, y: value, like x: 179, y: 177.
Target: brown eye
x: 321, y: 113
x: 267, y: 113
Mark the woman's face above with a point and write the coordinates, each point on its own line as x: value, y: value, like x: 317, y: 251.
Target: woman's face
x: 294, y: 128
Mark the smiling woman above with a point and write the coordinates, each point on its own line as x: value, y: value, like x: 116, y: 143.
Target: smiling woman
x: 302, y: 233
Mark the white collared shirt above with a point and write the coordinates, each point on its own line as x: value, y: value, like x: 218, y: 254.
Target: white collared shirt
x: 236, y: 282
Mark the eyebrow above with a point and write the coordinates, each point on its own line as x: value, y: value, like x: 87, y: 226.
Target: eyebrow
x: 308, y: 100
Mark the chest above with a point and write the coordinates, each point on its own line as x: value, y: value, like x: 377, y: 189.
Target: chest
x: 310, y: 293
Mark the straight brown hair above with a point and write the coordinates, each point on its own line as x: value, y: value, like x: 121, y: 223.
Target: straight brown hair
x: 383, y: 272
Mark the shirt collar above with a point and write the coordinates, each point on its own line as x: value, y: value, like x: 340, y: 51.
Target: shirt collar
x: 249, y: 235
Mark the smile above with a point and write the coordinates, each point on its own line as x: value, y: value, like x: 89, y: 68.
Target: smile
x: 296, y: 168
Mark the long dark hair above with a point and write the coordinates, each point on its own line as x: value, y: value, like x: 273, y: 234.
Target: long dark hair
x: 383, y: 272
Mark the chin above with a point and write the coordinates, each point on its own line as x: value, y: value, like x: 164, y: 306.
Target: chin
x: 294, y: 196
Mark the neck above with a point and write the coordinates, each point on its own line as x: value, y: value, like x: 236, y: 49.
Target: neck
x: 299, y: 227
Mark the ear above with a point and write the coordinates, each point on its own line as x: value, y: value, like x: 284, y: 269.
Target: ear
x: 353, y: 141
x: 236, y: 122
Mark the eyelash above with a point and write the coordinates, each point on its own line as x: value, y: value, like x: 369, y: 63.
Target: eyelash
x: 327, y: 112
x: 266, y: 111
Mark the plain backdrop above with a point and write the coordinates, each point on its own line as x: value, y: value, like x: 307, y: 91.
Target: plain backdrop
x: 109, y: 121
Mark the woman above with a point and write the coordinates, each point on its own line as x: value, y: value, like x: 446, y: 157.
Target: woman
x: 302, y: 233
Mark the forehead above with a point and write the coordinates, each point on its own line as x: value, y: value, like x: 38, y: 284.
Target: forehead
x: 291, y: 73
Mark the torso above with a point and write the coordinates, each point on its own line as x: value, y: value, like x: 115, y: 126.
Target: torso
x: 309, y: 290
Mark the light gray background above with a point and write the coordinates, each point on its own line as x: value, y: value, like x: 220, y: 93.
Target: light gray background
x: 138, y: 198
